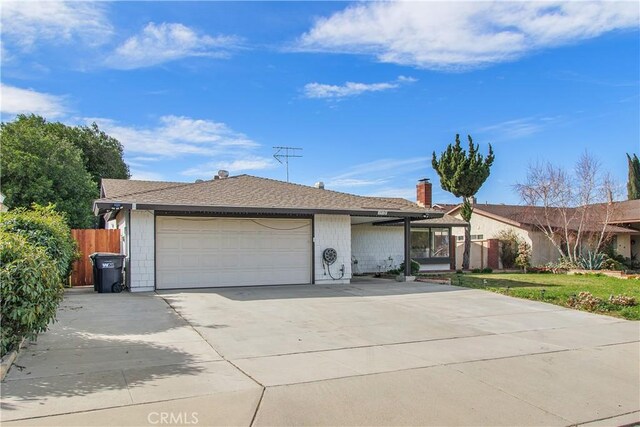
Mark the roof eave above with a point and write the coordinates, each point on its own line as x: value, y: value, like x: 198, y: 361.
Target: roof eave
x: 105, y: 206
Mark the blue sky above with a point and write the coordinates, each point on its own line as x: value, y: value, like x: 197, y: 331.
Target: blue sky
x: 368, y: 90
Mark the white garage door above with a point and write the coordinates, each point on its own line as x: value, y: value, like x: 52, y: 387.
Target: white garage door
x: 193, y: 252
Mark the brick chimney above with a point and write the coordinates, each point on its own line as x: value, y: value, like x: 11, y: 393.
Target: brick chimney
x: 423, y: 193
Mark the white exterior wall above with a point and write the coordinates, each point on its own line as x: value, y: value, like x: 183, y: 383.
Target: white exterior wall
x: 542, y: 250
x: 624, y: 245
x: 142, y: 263
x: 121, y: 224
x: 372, y: 246
x: 332, y: 231
x: 489, y: 227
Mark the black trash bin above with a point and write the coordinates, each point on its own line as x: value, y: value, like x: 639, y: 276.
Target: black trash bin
x: 107, y: 272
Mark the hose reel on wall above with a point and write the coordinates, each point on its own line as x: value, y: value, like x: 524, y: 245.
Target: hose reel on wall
x: 329, y: 257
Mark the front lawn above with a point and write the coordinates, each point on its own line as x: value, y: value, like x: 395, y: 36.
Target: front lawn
x: 558, y: 289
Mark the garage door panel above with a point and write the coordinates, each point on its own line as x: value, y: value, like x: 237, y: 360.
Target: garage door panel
x: 168, y: 243
x: 213, y: 252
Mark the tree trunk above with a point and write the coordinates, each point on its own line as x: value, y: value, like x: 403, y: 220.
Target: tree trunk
x: 467, y: 248
x: 467, y: 210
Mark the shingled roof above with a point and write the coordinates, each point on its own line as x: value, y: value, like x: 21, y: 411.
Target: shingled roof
x: 626, y: 212
x: 120, y: 187
x: 528, y: 216
x: 246, y: 193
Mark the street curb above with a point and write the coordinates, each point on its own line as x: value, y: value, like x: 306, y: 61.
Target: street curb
x: 8, y: 359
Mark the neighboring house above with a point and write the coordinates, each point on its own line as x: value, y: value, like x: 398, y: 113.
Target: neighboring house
x: 490, y: 219
x: 246, y: 231
x: 3, y: 207
x: 627, y: 215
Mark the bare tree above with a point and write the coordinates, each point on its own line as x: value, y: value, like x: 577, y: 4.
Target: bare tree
x: 571, y: 209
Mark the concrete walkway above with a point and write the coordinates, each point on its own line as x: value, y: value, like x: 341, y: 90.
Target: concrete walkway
x: 371, y: 353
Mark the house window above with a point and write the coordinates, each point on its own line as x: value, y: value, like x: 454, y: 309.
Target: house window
x: 421, y: 243
x: 428, y: 243
x: 460, y: 238
x: 477, y: 237
x: 440, y: 248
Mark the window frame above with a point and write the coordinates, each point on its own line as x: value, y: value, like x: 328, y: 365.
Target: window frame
x: 431, y: 259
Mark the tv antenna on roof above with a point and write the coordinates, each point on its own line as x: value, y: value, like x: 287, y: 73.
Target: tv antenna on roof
x: 285, y: 153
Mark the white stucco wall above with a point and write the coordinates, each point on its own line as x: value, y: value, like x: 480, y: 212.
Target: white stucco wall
x: 624, y: 245
x: 542, y: 250
x: 489, y: 227
x: 332, y: 231
x: 478, y: 257
x: 372, y: 247
x: 142, y: 265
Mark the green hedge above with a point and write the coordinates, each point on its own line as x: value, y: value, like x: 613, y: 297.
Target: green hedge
x: 44, y: 227
x: 36, y: 253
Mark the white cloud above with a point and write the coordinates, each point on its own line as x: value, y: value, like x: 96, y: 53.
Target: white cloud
x: 242, y: 164
x: 408, y: 192
x: 159, y: 43
x: 26, y: 22
x: 175, y: 136
x: 5, y: 56
x: 143, y: 175
x: 213, y: 144
x: 14, y: 100
x: 518, y: 128
x: 461, y: 35
x: 379, y: 172
x: 390, y: 166
x: 320, y: 90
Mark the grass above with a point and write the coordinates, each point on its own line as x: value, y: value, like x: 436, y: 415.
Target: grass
x: 557, y: 289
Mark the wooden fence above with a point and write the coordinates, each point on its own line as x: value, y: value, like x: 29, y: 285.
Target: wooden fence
x: 90, y: 241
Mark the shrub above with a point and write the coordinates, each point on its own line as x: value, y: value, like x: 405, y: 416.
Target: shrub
x: 523, y: 260
x: 592, y: 260
x: 487, y: 270
x: 562, y: 266
x: 29, y: 292
x: 585, y: 301
x: 632, y: 263
x: 415, y: 268
x: 509, y: 242
x: 622, y: 300
x: 476, y: 270
x: 612, y: 264
x: 44, y: 227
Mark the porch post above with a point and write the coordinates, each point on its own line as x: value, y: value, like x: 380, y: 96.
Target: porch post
x: 407, y: 247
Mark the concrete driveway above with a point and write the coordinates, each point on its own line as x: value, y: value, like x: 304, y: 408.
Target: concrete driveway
x: 371, y: 353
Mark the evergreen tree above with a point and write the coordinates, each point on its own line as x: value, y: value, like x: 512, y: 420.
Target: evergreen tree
x: 633, y: 185
x: 462, y: 174
x: 49, y: 162
x: 40, y: 167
